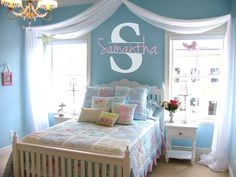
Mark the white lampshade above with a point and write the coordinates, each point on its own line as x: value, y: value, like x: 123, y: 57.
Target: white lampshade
x: 12, y: 3
x: 47, y: 5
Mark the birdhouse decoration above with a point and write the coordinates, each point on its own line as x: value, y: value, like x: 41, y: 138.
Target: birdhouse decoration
x: 6, y: 76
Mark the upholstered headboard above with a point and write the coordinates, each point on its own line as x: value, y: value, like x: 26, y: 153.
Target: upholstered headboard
x: 156, y: 94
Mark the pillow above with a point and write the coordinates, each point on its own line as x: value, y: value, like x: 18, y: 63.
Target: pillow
x: 106, y: 91
x: 126, y: 112
x: 107, y: 119
x: 100, y: 102
x: 157, y: 111
x: 97, y: 91
x: 122, y: 91
x: 151, y: 107
x: 89, y: 114
x: 105, y: 102
x: 138, y: 95
x: 90, y: 92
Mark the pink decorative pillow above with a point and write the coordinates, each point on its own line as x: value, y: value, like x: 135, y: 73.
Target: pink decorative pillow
x: 126, y: 112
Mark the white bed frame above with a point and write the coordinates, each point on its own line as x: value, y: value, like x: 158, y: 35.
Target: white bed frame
x: 31, y: 160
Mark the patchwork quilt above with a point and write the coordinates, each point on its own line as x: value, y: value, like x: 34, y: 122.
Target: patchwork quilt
x: 143, y: 139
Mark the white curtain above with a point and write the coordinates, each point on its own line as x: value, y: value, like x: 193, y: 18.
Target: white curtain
x: 102, y: 10
x: 36, y: 68
x: 36, y: 83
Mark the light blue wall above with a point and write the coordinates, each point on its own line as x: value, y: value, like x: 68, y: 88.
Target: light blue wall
x: 11, y: 40
x: 232, y: 154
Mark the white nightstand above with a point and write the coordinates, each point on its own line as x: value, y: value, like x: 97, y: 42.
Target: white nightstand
x: 59, y: 119
x: 182, y: 131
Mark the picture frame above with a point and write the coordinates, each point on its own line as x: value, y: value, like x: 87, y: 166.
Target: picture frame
x: 7, y: 78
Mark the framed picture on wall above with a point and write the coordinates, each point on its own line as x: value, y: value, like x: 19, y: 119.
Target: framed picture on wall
x: 6, y: 76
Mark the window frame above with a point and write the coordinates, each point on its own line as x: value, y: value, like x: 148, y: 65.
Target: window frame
x: 86, y: 37
x: 81, y: 39
x: 168, y: 63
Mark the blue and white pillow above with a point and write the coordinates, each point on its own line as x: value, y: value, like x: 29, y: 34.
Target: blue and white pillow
x: 138, y: 95
x: 90, y: 92
x: 97, y: 91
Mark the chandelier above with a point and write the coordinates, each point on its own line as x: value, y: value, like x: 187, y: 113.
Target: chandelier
x: 30, y: 9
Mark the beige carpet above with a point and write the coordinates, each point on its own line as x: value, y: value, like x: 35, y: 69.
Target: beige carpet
x: 183, y: 168
x: 3, y: 160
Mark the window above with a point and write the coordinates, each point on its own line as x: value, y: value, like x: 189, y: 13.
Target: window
x: 68, y: 60
x: 193, y: 68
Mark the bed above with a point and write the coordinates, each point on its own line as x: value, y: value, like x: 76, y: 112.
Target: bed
x: 82, y: 149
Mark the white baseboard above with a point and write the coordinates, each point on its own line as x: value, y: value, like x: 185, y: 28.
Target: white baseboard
x: 230, y: 170
x: 199, y: 151
x: 5, y: 150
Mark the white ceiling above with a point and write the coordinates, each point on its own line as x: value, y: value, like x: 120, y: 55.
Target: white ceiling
x: 74, y: 2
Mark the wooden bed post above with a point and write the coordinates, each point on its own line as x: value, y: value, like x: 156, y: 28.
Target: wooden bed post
x: 127, y: 166
x: 16, y: 164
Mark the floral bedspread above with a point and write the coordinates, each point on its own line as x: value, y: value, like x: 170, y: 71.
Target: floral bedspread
x: 142, y: 137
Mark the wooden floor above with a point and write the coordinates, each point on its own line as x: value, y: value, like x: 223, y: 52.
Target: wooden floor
x: 175, y: 168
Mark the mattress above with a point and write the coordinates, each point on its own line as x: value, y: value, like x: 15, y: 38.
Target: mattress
x: 142, y: 137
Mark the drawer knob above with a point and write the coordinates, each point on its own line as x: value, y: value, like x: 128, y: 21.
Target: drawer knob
x: 180, y: 133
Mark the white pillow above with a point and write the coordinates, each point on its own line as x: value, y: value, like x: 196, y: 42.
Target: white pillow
x: 89, y: 114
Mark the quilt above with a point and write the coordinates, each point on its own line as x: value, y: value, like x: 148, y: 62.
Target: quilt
x: 143, y: 139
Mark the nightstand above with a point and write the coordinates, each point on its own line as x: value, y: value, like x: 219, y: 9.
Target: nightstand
x: 180, y: 131
x: 59, y: 119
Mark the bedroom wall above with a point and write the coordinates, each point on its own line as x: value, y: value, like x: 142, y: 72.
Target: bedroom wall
x: 11, y: 47
x: 152, y: 68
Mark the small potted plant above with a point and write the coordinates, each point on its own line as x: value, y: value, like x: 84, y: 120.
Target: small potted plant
x: 171, y: 106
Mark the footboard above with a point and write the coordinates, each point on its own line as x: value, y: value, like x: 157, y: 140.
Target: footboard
x: 43, y: 161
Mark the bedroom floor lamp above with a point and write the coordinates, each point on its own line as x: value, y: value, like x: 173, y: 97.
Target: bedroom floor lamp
x: 29, y: 9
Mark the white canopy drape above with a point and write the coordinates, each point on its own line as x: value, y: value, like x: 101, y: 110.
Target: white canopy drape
x: 102, y: 10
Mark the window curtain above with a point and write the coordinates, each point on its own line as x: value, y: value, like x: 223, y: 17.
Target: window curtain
x: 36, y: 72
x: 102, y: 10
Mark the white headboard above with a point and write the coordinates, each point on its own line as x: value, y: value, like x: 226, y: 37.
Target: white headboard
x: 156, y: 94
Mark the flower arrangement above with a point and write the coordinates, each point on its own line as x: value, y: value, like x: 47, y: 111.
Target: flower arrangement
x: 171, y: 105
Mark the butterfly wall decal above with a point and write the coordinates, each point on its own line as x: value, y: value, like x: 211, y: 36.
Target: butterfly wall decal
x: 192, y: 46
x: 46, y: 38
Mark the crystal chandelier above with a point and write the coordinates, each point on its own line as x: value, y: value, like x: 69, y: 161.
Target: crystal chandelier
x: 29, y: 9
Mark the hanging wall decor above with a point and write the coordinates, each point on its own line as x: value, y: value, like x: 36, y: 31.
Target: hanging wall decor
x: 6, y: 76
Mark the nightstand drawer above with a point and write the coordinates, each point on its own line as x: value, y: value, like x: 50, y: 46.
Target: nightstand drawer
x: 181, y: 133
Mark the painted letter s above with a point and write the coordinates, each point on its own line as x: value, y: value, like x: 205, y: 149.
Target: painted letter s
x: 136, y: 58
